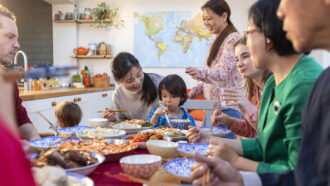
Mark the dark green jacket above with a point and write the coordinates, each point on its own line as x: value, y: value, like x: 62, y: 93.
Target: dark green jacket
x: 279, y: 120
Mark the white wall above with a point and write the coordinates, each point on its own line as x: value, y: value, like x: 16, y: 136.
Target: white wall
x: 66, y: 36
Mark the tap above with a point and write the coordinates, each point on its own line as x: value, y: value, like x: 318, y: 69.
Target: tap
x: 26, y: 82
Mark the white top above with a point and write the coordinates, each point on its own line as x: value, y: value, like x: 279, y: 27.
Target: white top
x: 124, y: 99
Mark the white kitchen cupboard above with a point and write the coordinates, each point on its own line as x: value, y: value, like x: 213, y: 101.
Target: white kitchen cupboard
x: 89, y: 103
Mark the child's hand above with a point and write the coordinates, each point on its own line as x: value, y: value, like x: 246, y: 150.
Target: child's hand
x: 160, y: 111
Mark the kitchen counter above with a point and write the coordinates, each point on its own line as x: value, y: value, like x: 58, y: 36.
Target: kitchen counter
x: 57, y: 92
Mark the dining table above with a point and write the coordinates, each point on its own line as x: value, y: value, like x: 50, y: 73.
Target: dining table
x: 109, y: 173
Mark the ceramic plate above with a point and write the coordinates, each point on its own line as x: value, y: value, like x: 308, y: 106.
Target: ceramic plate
x: 84, y: 180
x: 188, y: 149
x: 46, y: 141
x: 101, y: 132
x: 74, y: 129
x: 180, y: 168
x: 218, y: 131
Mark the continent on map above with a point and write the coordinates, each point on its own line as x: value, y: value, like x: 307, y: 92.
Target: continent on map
x: 162, y: 47
x: 188, y: 30
x: 153, y: 25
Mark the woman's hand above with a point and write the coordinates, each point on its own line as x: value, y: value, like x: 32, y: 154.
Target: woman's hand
x: 234, y: 97
x: 193, y: 72
x: 219, y: 149
x: 108, y: 114
x: 218, y: 117
x: 197, y: 135
x: 221, y: 172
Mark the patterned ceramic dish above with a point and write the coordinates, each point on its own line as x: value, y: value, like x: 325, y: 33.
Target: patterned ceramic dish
x: 180, y: 123
x: 218, y: 131
x: 188, y: 149
x: 69, y: 130
x: 180, y: 168
x: 141, y: 166
x: 46, y: 141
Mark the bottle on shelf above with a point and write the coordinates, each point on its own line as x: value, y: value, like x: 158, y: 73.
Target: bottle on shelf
x: 76, y: 12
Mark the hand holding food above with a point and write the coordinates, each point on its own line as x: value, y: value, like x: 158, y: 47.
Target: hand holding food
x: 197, y: 135
x: 111, y: 116
x: 193, y: 72
x: 219, y: 117
x: 221, y: 172
x: 160, y: 111
x: 219, y: 149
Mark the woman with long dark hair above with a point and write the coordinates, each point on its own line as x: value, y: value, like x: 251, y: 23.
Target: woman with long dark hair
x: 137, y: 91
x: 220, y: 66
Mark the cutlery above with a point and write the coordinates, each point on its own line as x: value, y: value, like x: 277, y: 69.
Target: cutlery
x: 63, y: 139
x: 167, y: 119
x: 206, y: 177
x: 52, y: 126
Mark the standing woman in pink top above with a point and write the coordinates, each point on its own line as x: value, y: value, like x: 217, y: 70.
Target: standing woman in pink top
x: 220, y: 65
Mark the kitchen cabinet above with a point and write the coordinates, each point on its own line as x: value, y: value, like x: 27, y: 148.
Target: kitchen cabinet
x: 89, y: 103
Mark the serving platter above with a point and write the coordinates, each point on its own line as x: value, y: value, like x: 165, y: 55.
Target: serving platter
x: 47, y: 141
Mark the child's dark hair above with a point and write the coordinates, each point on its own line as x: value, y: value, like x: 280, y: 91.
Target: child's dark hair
x: 263, y: 15
x: 175, y: 85
x: 122, y: 64
x: 68, y: 113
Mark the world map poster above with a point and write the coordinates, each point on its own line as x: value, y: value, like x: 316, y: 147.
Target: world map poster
x: 171, y: 39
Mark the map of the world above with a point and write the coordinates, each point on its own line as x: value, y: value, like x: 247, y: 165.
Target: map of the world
x: 171, y: 39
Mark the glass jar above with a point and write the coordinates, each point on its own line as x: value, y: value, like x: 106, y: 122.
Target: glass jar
x: 68, y: 16
x: 88, y: 12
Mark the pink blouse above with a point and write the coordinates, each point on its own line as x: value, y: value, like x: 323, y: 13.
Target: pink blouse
x: 223, y: 69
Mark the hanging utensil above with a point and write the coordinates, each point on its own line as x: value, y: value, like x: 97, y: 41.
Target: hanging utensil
x: 52, y: 126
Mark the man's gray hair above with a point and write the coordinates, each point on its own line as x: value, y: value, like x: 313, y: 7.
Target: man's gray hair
x: 7, y: 13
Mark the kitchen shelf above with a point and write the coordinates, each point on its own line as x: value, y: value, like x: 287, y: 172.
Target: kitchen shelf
x: 92, y: 57
x: 80, y: 21
x: 64, y: 21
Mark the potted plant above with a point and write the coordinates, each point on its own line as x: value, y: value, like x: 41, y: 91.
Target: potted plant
x: 104, y: 16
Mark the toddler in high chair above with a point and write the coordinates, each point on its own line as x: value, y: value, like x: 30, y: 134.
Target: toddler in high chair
x: 172, y: 91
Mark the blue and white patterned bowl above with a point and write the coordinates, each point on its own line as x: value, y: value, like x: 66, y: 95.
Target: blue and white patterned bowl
x: 74, y: 129
x: 218, y: 131
x: 188, y: 149
x: 46, y: 141
x: 180, y: 168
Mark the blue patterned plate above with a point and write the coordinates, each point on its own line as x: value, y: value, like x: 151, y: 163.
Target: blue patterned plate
x: 180, y: 168
x: 74, y: 129
x: 84, y: 180
x: 218, y: 131
x: 46, y: 141
x: 188, y: 149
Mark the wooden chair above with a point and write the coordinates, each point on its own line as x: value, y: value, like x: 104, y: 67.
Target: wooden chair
x: 206, y: 105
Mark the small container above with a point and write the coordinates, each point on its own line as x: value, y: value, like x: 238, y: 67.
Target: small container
x: 82, y: 16
x: 88, y: 12
x: 87, y: 81
x: 68, y: 16
x: 57, y: 17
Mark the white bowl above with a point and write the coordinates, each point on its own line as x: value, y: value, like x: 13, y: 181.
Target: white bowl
x: 142, y: 165
x: 101, y: 133
x: 165, y: 149
x: 97, y: 122
x: 90, y: 168
x: 130, y: 128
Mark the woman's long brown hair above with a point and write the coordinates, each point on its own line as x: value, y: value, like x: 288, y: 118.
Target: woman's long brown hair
x: 249, y: 83
x: 219, y: 7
